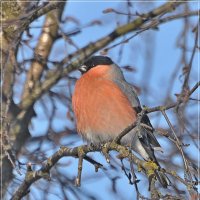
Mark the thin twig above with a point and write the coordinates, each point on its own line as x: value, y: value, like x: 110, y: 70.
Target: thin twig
x: 152, y: 25
x: 178, y: 143
x: 185, y: 84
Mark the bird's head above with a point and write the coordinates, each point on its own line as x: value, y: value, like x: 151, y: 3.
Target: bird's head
x: 93, y: 62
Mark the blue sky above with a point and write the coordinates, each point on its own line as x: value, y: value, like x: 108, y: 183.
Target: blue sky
x: 163, y: 57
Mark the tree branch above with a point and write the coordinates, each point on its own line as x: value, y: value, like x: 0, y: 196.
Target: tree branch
x: 75, y: 152
x: 55, y: 75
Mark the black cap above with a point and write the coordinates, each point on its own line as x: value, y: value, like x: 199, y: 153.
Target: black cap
x: 94, y: 61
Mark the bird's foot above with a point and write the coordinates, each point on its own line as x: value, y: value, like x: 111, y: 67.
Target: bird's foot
x: 105, y: 151
x: 139, y: 167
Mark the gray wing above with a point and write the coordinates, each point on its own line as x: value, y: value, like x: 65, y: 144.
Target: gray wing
x: 145, y: 142
x: 147, y: 136
x: 130, y: 92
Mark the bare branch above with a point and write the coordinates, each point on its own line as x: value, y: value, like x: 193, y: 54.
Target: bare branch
x: 85, y: 52
x: 81, y: 151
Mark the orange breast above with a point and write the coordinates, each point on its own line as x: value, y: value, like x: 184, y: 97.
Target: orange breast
x: 100, y: 107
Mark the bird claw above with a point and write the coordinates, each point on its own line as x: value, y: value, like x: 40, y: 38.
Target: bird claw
x: 139, y: 167
x: 105, y: 152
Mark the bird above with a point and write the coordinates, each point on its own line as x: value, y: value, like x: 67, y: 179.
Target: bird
x: 104, y: 104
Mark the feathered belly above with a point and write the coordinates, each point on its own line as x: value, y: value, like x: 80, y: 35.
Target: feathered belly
x: 102, y: 112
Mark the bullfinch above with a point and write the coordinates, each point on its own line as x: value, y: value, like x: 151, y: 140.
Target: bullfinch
x: 105, y: 104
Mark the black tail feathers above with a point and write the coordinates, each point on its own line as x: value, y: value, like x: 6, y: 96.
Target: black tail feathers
x: 145, y: 144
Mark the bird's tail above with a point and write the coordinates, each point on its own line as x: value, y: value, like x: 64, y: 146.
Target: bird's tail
x: 145, y: 144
